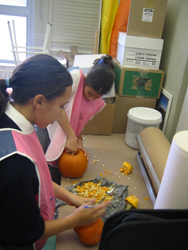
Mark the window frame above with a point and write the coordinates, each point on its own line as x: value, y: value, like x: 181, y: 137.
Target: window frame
x: 36, y: 23
x: 29, y: 13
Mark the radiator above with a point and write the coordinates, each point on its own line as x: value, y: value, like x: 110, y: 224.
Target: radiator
x: 5, y: 73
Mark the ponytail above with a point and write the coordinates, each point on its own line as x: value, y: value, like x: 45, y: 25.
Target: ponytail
x: 4, y: 96
x: 102, y: 75
x: 107, y: 61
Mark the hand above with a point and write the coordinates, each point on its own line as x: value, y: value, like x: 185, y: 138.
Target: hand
x: 85, y: 216
x: 77, y: 201
x: 71, y: 145
x: 81, y: 147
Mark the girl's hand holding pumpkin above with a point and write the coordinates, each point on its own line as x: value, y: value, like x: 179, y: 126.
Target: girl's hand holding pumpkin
x: 81, y: 147
x: 71, y: 145
x: 85, y: 216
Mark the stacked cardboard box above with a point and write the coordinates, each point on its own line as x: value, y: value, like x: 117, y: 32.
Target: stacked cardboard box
x: 139, y: 52
x: 102, y: 123
x: 123, y: 104
x: 136, y: 82
x: 138, y: 76
x: 146, y: 18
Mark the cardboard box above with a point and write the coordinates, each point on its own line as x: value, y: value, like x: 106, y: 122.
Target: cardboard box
x: 123, y: 104
x: 146, y: 18
x: 141, y: 52
x: 102, y: 123
x: 136, y: 82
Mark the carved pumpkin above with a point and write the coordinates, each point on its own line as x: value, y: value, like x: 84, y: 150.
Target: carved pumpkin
x: 90, y: 234
x: 72, y: 166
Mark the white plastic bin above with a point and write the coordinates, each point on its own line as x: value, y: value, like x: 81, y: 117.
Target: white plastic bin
x: 140, y: 118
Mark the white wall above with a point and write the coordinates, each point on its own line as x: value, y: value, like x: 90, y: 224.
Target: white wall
x: 183, y: 120
x: 174, y: 59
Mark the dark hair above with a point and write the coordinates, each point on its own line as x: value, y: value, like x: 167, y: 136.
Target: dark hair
x: 39, y: 74
x: 101, y: 75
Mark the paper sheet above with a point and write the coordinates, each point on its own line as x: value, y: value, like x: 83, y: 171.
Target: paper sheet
x: 174, y: 185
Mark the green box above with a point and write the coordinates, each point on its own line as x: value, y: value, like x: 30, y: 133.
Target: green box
x: 135, y: 82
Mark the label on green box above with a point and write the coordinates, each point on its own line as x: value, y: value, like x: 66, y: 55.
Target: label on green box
x: 141, y: 84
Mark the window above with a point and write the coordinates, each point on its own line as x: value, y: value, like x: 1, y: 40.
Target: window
x: 22, y: 12
x: 21, y: 3
x: 73, y: 24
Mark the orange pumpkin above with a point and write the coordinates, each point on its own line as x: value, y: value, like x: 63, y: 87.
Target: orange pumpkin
x: 90, y: 234
x: 72, y: 166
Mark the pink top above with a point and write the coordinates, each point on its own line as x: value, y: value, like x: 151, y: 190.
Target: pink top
x: 29, y: 146
x: 79, y: 111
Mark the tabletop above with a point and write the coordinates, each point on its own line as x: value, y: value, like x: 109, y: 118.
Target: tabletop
x: 106, y: 156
